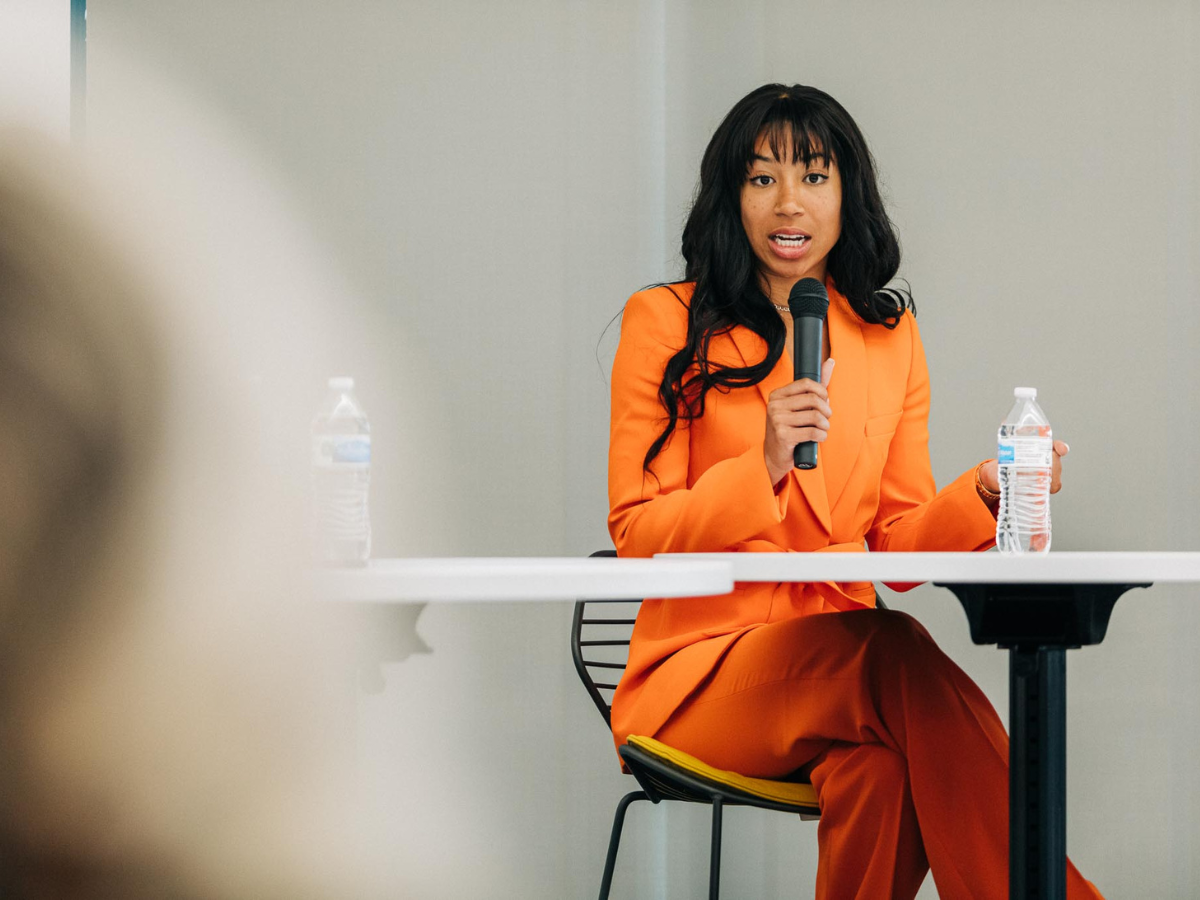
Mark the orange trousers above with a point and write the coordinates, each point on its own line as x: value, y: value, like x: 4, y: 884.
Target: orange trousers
x: 908, y: 757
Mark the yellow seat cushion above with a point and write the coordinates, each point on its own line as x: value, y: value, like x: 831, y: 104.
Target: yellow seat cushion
x: 778, y: 791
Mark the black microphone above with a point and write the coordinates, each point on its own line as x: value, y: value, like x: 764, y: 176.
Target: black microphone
x: 808, y: 302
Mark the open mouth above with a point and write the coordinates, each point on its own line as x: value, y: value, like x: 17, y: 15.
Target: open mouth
x: 789, y: 244
x: 790, y: 240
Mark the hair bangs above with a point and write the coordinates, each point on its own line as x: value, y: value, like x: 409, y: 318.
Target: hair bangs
x: 797, y: 132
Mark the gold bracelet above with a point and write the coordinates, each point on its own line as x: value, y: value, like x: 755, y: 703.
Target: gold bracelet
x: 987, y: 496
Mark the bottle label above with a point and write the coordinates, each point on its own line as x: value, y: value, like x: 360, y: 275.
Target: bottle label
x: 1032, y: 452
x: 341, y: 450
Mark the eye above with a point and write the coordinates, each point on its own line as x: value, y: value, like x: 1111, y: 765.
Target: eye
x: 761, y: 180
x: 816, y: 178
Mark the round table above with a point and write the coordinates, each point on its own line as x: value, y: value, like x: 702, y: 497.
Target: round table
x: 1036, y: 607
x: 376, y: 606
x: 486, y: 579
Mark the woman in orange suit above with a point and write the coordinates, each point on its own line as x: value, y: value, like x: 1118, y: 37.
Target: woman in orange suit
x: 908, y: 757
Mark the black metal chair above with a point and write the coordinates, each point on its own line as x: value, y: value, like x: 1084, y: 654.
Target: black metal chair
x: 601, y: 642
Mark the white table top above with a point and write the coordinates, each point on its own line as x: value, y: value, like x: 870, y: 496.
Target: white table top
x: 963, y: 568
x: 463, y: 579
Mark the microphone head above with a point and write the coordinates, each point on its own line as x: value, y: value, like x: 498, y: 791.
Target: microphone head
x: 808, y: 298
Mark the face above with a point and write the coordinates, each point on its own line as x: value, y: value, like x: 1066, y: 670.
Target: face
x: 792, y: 214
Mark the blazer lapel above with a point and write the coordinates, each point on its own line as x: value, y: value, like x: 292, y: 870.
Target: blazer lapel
x: 811, y: 482
x: 847, y: 397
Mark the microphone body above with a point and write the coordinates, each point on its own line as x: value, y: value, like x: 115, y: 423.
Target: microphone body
x: 808, y: 338
x: 808, y: 302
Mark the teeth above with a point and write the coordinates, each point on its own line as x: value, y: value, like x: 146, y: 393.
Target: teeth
x: 790, y: 238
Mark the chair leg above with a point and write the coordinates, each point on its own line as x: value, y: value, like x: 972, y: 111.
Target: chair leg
x: 714, y: 863
x: 614, y: 840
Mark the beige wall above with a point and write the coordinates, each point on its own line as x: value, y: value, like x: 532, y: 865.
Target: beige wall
x: 495, y: 180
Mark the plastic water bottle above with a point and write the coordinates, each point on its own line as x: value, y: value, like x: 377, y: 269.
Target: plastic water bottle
x: 1025, y: 448
x: 341, y: 474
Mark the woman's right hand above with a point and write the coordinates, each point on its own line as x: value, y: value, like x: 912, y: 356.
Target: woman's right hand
x: 796, y: 413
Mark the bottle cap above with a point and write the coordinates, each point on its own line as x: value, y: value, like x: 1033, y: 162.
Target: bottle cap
x: 341, y: 383
x: 1025, y: 392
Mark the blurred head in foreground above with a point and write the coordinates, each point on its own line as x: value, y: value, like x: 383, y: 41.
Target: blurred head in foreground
x: 164, y: 730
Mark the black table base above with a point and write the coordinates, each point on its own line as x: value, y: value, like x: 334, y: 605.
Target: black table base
x: 1037, y: 624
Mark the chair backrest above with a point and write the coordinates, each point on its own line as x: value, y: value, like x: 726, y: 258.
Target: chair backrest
x: 600, y: 641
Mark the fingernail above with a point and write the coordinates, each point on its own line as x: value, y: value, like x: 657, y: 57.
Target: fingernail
x: 1068, y: 446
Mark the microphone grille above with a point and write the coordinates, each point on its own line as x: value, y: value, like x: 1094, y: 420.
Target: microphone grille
x: 808, y: 298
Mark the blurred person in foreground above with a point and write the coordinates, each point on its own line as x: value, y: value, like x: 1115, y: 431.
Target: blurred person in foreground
x: 166, y: 729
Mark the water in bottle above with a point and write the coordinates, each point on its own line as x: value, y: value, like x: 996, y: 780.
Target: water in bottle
x: 341, y: 474
x: 1025, y: 448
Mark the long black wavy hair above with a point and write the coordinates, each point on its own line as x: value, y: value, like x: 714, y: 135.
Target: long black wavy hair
x: 719, y: 258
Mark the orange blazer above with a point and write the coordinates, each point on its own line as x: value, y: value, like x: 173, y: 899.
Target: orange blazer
x: 710, y: 491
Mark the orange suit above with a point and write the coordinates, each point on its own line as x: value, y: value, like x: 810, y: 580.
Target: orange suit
x: 754, y: 681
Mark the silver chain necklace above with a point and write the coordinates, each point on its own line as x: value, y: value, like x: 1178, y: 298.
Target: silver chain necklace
x: 785, y: 309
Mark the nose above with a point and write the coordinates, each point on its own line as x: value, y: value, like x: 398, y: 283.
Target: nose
x: 789, y: 200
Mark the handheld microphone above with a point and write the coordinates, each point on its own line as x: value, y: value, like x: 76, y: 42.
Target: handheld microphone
x: 808, y: 303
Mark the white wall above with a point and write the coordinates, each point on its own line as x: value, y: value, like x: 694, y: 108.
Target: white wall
x: 35, y: 60
x: 497, y: 179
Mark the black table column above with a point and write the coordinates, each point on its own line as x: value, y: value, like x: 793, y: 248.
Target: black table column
x: 1037, y: 781
x: 1037, y: 624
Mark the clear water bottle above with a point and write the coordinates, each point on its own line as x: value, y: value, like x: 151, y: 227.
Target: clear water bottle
x: 1025, y: 448
x: 341, y: 474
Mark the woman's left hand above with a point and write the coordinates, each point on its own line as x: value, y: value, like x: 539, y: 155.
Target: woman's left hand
x: 990, y: 474
x: 1061, y: 449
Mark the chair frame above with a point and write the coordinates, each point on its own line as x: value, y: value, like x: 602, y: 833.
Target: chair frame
x: 659, y: 779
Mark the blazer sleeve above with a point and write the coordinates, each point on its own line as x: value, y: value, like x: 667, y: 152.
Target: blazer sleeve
x: 911, y: 515
x: 665, y: 510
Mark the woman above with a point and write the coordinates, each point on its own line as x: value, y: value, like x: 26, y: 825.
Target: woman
x: 908, y: 757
